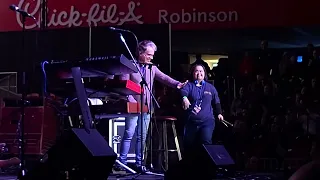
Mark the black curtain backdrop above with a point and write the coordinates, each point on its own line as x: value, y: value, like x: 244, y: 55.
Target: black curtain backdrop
x: 73, y: 44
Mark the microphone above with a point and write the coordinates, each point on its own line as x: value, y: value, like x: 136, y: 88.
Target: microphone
x: 148, y: 64
x: 22, y: 12
x: 117, y: 29
x: 124, y: 30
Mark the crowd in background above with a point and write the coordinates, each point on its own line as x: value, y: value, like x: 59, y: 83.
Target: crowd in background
x: 275, y: 107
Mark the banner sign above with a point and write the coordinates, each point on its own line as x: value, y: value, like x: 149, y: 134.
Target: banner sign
x: 183, y: 15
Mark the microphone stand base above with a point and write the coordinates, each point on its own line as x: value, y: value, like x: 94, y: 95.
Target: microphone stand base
x: 134, y: 173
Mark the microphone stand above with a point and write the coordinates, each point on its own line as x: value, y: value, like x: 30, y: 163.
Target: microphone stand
x: 143, y: 84
x: 24, y: 93
x: 151, y: 124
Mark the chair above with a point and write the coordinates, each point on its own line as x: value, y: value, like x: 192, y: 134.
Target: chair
x: 163, y: 140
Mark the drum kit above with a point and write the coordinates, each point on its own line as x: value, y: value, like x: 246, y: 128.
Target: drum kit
x: 7, y: 162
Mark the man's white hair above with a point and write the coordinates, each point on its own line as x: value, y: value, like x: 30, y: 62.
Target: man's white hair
x: 143, y: 45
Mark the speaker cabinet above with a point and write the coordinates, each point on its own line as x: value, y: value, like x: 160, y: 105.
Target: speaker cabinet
x: 207, y: 162
x: 86, y: 155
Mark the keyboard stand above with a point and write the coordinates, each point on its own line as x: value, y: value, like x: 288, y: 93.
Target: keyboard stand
x: 85, y: 110
x: 82, y: 98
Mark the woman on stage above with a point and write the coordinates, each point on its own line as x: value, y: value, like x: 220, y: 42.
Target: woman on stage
x: 199, y: 97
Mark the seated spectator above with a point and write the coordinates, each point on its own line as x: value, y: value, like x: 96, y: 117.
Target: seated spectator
x: 310, y: 170
x: 239, y: 104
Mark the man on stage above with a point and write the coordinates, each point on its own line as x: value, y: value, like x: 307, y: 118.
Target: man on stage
x: 145, y: 52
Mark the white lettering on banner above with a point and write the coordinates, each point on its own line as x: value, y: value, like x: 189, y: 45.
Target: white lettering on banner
x: 36, y: 9
x: 196, y: 17
x: 105, y: 14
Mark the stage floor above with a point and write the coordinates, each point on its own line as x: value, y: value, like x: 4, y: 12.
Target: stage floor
x: 113, y: 177
x: 3, y: 177
x: 240, y: 176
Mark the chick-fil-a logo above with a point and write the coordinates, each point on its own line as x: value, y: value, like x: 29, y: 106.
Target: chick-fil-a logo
x: 107, y: 14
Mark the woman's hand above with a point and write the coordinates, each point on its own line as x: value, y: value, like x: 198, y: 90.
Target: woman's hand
x: 185, y: 103
x: 220, y: 117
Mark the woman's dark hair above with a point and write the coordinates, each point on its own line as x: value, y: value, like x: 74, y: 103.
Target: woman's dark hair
x: 192, y: 70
